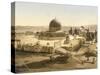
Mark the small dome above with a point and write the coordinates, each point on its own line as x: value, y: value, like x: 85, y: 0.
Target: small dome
x: 54, y: 25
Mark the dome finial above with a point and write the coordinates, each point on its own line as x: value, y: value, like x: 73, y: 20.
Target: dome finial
x: 55, y: 18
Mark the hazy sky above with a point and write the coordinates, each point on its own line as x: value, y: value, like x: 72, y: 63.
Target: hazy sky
x: 39, y: 14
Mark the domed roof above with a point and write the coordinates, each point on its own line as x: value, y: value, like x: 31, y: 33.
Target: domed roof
x: 54, y: 25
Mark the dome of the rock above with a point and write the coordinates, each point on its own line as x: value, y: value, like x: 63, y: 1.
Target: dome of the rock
x: 53, y: 33
x: 54, y: 25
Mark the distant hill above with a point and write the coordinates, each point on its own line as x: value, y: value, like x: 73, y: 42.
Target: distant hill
x: 30, y: 28
x: 21, y: 29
